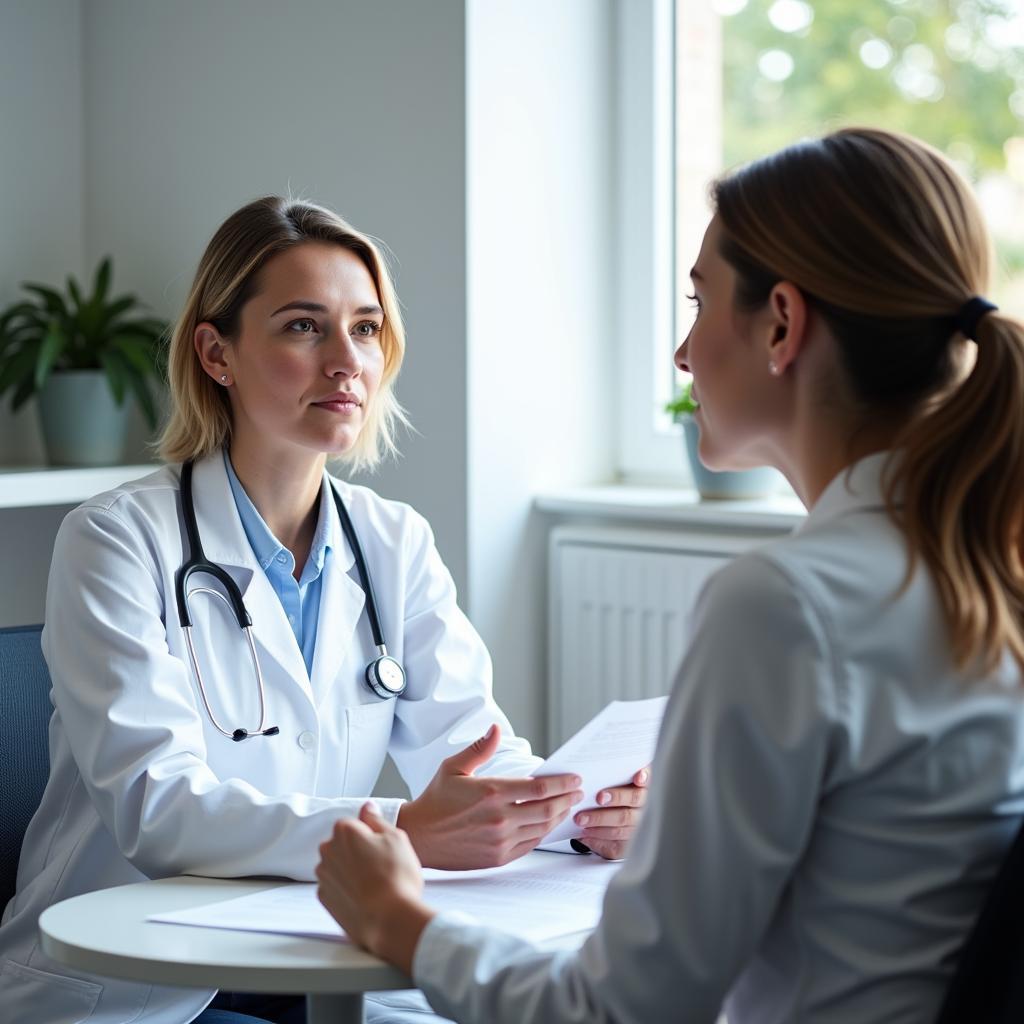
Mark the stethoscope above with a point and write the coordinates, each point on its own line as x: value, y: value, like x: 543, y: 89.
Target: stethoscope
x: 384, y: 675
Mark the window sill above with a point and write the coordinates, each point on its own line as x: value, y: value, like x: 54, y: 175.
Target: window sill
x: 677, y: 505
x: 42, y: 486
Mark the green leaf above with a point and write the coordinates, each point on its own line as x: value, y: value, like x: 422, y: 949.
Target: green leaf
x: 27, y: 315
x: 143, y: 395
x: 102, y: 282
x: 52, y: 299
x: 112, y: 311
x: 19, y: 369
x: 18, y: 311
x: 138, y: 353
x: 147, y: 327
x: 53, y: 345
x: 74, y: 291
x: 23, y: 393
x: 117, y: 373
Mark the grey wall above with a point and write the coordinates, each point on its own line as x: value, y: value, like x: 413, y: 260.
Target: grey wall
x: 194, y: 108
x: 40, y: 171
x: 40, y: 239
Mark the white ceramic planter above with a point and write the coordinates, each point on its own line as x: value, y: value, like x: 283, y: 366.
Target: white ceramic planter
x: 82, y: 424
x: 746, y: 483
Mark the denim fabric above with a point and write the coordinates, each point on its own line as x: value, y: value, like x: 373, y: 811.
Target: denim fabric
x: 254, y: 1008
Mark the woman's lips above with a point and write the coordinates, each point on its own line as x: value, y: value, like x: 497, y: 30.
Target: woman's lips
x: 344, y: 405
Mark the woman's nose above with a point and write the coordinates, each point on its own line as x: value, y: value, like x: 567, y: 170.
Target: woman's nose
x: 680, y: 358
x: 344, y: 360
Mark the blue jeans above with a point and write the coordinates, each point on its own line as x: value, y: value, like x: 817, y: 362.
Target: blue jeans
x: 253, y: 1008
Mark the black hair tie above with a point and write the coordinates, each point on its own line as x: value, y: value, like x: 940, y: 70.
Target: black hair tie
x: 971, y: 312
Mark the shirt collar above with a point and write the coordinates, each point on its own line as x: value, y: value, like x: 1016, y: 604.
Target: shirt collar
x: 265, y: 545
x: 857, y: 487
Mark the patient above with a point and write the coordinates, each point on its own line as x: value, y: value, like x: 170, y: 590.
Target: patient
x: 841, y: 766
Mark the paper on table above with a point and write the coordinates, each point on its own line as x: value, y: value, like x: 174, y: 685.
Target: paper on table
x: 539, y: 897
x: 608, y: 751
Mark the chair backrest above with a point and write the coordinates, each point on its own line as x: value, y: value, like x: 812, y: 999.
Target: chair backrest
x: 25, y: 711
x: 989, y: 981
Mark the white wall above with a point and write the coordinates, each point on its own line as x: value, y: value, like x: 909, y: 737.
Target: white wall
x: 542, y: 386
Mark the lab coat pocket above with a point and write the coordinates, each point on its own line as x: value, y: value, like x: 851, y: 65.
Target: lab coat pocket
x: 28, y: 992
x: 369, y: 733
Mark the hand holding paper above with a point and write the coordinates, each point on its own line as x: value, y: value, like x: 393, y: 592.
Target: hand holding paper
x: 607, y: 752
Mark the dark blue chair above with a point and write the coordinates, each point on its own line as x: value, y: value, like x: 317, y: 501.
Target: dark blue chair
x: 25, y: 711
x: 989, y: 981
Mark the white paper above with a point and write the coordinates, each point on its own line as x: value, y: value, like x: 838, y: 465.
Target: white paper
x: 539, y: 897
x: 608, y: 751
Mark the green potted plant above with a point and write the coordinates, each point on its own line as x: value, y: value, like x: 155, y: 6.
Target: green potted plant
x: 744, y: 483
x: 80, y: 355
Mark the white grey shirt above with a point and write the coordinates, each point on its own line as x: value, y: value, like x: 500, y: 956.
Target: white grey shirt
x: 829, y: 801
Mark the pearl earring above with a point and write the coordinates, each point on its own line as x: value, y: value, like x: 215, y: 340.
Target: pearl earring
x: 773, y: 368
x: 223, y: 378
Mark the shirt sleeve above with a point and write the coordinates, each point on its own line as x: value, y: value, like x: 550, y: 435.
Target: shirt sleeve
x: 135, y: 730
x: 741, y: 762
x: 448, y: 703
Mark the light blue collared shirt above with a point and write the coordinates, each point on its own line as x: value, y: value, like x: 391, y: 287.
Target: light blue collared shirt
x: 299, y: 598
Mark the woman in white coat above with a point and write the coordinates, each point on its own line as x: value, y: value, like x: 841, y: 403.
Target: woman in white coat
x: 841, y: 766
x: 287, y: 351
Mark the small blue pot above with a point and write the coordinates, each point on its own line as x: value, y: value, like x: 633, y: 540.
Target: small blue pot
x: 744, y: 483
x: 82, y: 424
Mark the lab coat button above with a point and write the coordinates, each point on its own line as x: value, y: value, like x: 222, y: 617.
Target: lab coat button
x: 307, y: 740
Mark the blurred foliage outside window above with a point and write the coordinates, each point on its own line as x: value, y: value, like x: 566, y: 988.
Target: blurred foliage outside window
x: 774, y: 71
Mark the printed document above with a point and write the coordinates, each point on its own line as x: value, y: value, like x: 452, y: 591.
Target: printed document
x: 540, y: 897
x: 608, y: 751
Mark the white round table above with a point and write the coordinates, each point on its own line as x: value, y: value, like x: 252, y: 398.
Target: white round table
x: 106, y: 932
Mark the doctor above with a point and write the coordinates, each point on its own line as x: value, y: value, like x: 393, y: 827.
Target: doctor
x: 841, y: 766
x: 181, y: 742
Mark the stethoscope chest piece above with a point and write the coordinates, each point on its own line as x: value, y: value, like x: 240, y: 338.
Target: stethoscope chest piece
x: 386, y: 677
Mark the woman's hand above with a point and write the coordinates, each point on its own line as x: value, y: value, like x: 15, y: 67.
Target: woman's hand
x: 370, y: 883
x: 608, y: 829
x: 460, y: 821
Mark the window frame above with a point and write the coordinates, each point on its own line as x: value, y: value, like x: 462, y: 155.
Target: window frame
x: 650, y: 444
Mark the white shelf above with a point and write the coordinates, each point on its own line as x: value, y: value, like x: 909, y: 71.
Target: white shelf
x: 673, y: 505
x: 36, y: 486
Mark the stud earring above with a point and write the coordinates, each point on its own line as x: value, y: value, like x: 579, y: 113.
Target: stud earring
x: 223, y: 378
x: 773, y: 368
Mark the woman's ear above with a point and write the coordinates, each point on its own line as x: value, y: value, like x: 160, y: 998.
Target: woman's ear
x: 787, y: 323
x: 213, y: 353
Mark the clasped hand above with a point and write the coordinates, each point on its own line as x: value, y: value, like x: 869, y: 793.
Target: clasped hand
x: 461, y: 821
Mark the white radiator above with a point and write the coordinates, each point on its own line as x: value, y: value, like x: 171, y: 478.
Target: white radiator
x: 619, y: 602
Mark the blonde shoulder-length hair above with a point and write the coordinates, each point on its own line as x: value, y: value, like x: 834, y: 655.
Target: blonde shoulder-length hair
x: 200, y: 420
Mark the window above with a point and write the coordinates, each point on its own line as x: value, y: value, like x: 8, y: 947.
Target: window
x: 729, y: 80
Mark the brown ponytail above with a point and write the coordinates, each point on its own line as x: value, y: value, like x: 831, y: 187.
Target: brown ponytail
x: 886, y: 241
x: 961, y: 479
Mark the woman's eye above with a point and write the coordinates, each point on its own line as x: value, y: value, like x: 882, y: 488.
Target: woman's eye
x: 303, y: 326
x: 368, y: 329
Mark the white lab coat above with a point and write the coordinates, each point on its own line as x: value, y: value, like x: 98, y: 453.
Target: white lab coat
x: 142, y: 784
x: 829, y: 801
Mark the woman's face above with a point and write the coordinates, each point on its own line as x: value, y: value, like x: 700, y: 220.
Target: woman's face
x: 307, y: 361
x: 730, y: 376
